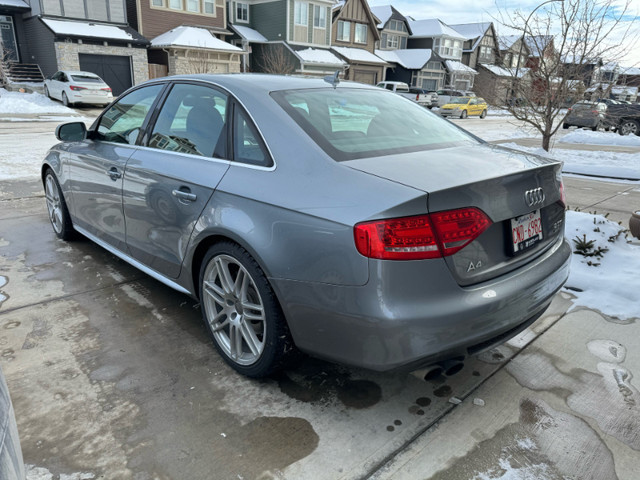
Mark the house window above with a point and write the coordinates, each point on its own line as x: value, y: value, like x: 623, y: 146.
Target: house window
x: 209, y: 6
x: 485, y: 52
x: 397, y: 25
x: 392, y: 41
x: 361, y: 33
x: 242, y: 12
x: 157, y: 3
x: 193, y: 5
x: 344, y: 31
x: 319, y: 17
x: 434, y: 66
x: 175, y: 4
x: 301, y: 13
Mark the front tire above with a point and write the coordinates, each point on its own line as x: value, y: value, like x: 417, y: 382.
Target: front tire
x: 57, y: 208
x: 241, y: 312
x: 629, y: 127
x: 483, y: 114
x: 65, y: 100
x: 463, y: 115
x: 565, y: 126
x: 46, y: 92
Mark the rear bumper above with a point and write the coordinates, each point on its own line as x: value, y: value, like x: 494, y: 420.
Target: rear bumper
x: 582, y: 122
x: 93, y: 99
x: 402, y: 320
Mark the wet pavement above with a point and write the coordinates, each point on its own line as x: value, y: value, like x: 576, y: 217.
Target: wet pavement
x: 113, y: 375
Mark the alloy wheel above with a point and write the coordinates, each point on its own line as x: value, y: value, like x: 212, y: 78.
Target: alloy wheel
x: 234, y: 309
x: 54, y: 205
x: 629, y: 128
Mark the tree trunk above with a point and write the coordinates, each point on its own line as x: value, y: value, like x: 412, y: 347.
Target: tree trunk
x: 546, y: 141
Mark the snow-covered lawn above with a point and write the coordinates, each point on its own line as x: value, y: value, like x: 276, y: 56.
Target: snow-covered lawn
x: 29, y: 103
x: 600, y: 138
x: 21, y: 155
x: 585, y: 162
x: 610, y: 282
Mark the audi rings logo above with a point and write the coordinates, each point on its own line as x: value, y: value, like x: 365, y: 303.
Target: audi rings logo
x: 534, y: 197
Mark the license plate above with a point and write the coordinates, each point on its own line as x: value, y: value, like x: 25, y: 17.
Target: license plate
x: 97, y: 92
x: 526, y: 231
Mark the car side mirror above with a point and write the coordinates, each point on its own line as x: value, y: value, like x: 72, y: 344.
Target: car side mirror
x: 71, y: 132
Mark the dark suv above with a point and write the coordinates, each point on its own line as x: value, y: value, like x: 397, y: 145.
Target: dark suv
x: 586, y: 114
x: 624, y: 118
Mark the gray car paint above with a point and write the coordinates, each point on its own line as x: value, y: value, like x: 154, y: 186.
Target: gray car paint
x: 296, y: 219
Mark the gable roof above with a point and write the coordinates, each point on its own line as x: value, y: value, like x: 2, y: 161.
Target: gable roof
x: 507, y: 41
x: 411, y: 59
x: 538, y: 43
x: 383, y: 13
x: 337, y: 9
x: 432, y: 27
x: 192, y: 37
x: 473, y: 31
x: 248, y: 34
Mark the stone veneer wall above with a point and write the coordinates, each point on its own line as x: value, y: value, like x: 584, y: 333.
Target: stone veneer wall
x: 67, y: 57
x: 197, y: 61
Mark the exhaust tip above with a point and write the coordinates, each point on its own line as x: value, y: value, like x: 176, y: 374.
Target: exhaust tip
x: 452, y: 367
x: 433, y: 372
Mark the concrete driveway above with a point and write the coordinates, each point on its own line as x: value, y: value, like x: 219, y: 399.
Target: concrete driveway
x: 113, y: 375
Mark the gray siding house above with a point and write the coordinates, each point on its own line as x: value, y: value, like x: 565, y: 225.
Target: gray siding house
x: 481, y: 44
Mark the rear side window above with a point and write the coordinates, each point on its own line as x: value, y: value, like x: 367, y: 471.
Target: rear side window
x: 247, y: 145
x: 122, y: 122
x: 192, y: 120
x: 356, y: 123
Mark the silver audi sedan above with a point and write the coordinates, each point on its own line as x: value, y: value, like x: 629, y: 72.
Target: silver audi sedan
x: 334, y: 217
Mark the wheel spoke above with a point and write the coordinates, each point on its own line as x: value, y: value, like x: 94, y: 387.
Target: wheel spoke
x: 253, y: 311
x: 225, y: 276
x: 58, y: 214
x: 215, y: 292
x: 215, y: 323
x: 250, y: 338
x: 241, y: 284
x: 235, y: 342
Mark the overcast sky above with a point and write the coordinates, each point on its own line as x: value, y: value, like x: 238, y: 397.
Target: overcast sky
x: 468, y: 11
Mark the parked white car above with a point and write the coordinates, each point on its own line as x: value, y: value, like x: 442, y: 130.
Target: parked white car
x: 401, y: 88
x: 71, y: 87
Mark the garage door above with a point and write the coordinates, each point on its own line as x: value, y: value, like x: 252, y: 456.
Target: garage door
x: 363, y: 76
x: 113, y: 69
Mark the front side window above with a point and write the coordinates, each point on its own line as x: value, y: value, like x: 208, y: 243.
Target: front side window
x: 242, y: 12
x: 356, y: 123
x: 344, y: 31
x: 192, y: 120
x: 122, y: 122
x: 319, y: 17
x: 360, y: 33
x: 301, y: 13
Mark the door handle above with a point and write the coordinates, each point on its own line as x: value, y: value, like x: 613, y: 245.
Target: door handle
x: 184, y: 194
x: 114, y: 173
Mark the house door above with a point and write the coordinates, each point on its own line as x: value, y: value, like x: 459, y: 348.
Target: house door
x: 115, y: 70
x: 8, y: 39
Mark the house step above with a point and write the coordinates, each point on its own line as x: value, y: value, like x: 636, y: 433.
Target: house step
x: 13, y: 72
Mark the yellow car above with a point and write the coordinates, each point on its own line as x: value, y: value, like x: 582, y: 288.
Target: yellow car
x: 462, y: 107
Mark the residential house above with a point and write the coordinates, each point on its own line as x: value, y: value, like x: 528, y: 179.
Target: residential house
x: 394, y: 28
x: 497, y: 85
x: 514, y: 51
x: 354, y: 34
x: 447, y: 44
x: 586, y: 70
x: 481, y: 44
x: 12, y: 35
x: 629, y: 76
x: 542, y: 52
x: 285, y: 36
x: 418, y: 67
x: 187, y: 36
x: 90, y: 35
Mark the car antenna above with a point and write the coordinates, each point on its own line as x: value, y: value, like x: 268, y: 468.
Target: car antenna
x: 333, y: 79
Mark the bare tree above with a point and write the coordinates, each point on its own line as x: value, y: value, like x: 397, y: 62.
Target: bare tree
x: 568, y: 40
x: 275, y: 59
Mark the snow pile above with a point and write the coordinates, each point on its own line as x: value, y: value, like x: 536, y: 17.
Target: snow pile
x: 609, y: 282
x: 21, y: 155
x: 24, y: 103
x: 596, y: 163
x: 600, y: 138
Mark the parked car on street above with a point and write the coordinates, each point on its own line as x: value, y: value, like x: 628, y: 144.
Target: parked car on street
x: 421, y: 91
x: 623, y: 118
x: 420, y: 96
x: 339, y: 218
x: 444, y: 96
x: 586, y: 114
x: 71, y: 88
x: 462, y: 107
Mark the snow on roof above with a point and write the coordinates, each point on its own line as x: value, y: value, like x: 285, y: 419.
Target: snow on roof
x: 318, y: 55
x: 454, y: 66
x: 506, y: 72
x: 621, y: 90
x: 472, y: 30
x: 358, y: 55
x: 537, y: 43
x: 192, y: 37
x: 338, y: 5
x: 14, y: 3
x: 432, y: 27
x: 507, y: 41
x: 249, y: 34
x: 630, y: 71
x: 87, y: 29
x: 383, y: 13
x: 411, y: 59
x: 597, y: 86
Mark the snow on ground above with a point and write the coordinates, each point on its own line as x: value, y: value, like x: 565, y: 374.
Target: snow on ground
x: 29, y: 103
x: 21, y: 155
x: 600, y: 138
x: 585, y: 162
x: 611, y: 283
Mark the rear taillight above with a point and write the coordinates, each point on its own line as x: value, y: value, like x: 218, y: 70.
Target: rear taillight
x: 595, y: 111
x: 417, y: 97
x: 107, y: 89
x: 74, y: 87
x: 563, y: 198
x: 426, y: 236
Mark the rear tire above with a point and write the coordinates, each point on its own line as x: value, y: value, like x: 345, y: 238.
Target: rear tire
x: 46, y: 92
x: 463, y: 115
x: 629, y: 127
x: 595, y: 129
x: 242, y: 312
x: 483, y: 114
x: 565, y: 126
x: 65, y: 100
x: 57, y: 208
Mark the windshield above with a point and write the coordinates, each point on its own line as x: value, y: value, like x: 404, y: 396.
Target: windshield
x: 459, y: 100
x: 358, y: 123
x: 86, y: 79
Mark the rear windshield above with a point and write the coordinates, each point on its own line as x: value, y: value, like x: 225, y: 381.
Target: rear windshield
x: 86, y: 79
x: 358, y: 123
